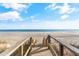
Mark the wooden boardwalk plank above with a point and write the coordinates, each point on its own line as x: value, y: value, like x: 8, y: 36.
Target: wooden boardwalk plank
x: 40, y: 51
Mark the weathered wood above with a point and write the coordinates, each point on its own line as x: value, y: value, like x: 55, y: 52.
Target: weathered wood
x: 19, y: 51
x: 20, y: 44
x: 22, y: 50
x: 61, y: 50
x: 30, y: 47
x: 45, y: 41
x: 11, y: 50
x: 69, y: 47
x: 48, y: 38
x: 28, y: 50
x: 30, y: 40
x: 52, y: 49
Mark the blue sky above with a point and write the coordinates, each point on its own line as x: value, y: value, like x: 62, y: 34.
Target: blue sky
x: 39, y: 16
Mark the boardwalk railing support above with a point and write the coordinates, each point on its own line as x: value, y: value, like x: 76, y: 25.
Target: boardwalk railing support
x: 48, y: 41
x: 48, y: 38
x: 20, y: 51
x: 63, y: 44
x: 61, y: 50
x: 30, y: 40
x: 30, y: 45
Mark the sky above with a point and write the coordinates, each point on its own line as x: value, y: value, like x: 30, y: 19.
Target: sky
x: 39, y: 15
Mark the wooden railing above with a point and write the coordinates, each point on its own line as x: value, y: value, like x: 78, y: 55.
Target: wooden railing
x: 20, y: 49
x: 23, y: 48
x: 62, y: 44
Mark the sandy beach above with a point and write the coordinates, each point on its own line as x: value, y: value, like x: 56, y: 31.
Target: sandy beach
x: 13, y: 37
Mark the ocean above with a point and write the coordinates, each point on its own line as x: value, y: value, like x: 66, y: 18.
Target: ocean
x: 39, y: 30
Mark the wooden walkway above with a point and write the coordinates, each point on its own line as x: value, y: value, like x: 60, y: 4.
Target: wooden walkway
x: 40, y: 51
x: 43, y: 47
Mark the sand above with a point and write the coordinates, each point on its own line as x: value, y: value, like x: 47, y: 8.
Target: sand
x: 13, y: 37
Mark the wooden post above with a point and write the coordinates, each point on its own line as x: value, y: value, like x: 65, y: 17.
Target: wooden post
x: 31, y: 45
x: 22, y: 50
x: 61, y: 50
x: 19, y: 51
x: 30, y: 40
x: 48, y: 38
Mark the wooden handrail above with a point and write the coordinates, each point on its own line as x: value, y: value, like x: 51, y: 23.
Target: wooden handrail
x: 64, y: 44
x: 11, y: 50
x: 52, y: 49
x: 28, y: 50
x: 20, y: 47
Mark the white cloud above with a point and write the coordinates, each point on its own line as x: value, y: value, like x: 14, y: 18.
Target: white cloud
x: 50, y: 6
x: 14, y: 16
x: 34, y: 19
x: 16, y: 6
x: 44, y: 25
x: 64, y: 17
x: 52, y: 25
x: 66, y: 9
x: 59, y: 24
x: 62, y: 9
x: 73, y: 9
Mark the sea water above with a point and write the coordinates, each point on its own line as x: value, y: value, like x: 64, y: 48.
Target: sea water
x: 39, y: 30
